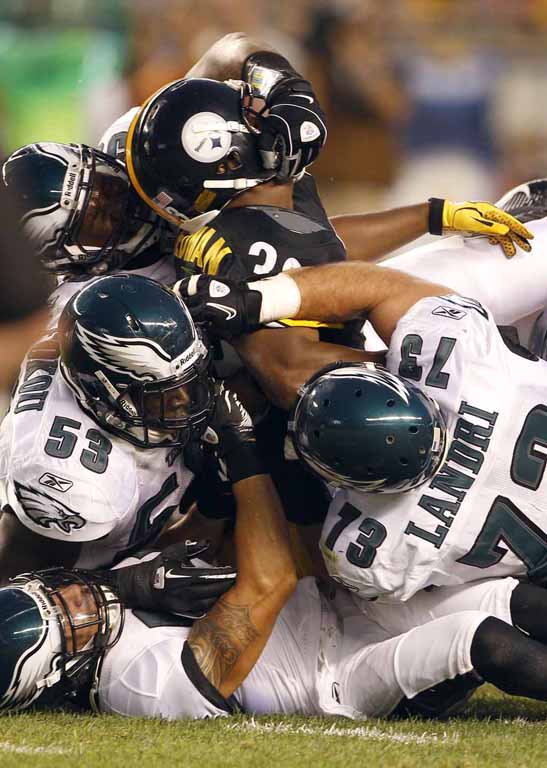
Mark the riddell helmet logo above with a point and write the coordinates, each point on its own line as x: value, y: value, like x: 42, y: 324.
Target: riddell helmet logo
x: 70, y: 186
x: 71, y: 182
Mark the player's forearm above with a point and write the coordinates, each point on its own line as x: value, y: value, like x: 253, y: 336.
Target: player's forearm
x: 228, y: 641
x: 263, y: 553
x: 225, y: 59
x: 281, y: 361
x: 340, y: 292
x: 372, y: 236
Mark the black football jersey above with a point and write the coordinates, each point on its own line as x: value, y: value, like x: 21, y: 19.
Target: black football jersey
x: 258, y: 241
x: 255, y: 242
x: 306, y: 200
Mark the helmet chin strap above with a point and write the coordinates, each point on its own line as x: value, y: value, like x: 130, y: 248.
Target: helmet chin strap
x: 232, y: 183
x: 192, y: 225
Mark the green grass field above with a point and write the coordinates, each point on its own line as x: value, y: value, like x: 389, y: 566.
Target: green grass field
x: 492, y: 731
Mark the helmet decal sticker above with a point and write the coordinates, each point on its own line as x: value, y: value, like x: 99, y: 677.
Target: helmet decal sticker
x: 22, y: 689
x: 70, y: 186
x: 141, y: 359
x: 205, y: 137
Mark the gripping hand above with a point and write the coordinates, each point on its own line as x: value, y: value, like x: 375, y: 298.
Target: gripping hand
x: 171, y: 582
x: 479, y: 218
x: 228, y: 307
x: 230, y: 436
x: 292, y: 129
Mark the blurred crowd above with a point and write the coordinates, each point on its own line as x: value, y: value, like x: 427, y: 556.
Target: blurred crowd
x: 423, y: 96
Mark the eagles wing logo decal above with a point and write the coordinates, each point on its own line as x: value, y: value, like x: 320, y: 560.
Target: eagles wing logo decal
x: 47, y: 512
x: 143, y: 360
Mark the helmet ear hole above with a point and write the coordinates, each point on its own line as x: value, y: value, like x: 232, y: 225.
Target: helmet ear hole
x: 390, y: 403
x: 404, y: 461
x: 413, y: 430
x: 358, y: 393
x: 234, y: 161
x: 326, y: 403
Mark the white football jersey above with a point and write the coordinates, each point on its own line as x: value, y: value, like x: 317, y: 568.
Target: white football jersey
x: 485, y: 513
x: 112, y: 142
x: 150, y: 672
x: 324, y: 656
x: 66, y: 478
x: 511, y: 288
x: 515, y: 290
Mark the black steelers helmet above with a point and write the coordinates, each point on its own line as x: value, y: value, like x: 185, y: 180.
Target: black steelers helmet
x: 192, y: 148
x: 357, y: 425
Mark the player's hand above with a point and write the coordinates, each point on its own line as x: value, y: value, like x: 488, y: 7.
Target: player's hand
x: 230, y: 436
x: 479, y: 218
x: 171, y: 582
x: 228, y: 307
x: 292, y: 128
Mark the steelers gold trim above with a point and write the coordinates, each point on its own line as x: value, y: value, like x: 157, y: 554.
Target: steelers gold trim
x: 308, y: 323
x: 129, y: 159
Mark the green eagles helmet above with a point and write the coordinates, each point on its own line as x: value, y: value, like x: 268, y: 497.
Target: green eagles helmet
x: 46, y: 640
x: 358, y: 426
x: 192, y: 147
x: 78, y: 208
x: 134, y: 359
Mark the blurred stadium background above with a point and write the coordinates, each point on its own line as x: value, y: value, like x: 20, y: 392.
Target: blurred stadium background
x: 423, y: 96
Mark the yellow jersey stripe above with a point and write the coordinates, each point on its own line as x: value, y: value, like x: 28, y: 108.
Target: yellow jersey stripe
x: 308, y: 324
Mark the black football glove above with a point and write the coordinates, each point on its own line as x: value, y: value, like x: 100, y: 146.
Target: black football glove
x: 292, y: 123
x: 230, y: 436
x: 292, y: 130
x: 228, y: 307
x: 170, y: 582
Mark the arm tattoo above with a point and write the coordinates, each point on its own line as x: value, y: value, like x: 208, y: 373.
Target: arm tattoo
x: 218, y: 640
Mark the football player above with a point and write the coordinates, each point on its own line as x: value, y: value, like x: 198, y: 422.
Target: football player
x: 366, y: 236
x: 452, y: 447
x: 90, y: 451
x: 217, y: 166
x: 512, y: 290
x: 337, y: 659
x: 137, y: 245
x: 83, y: 217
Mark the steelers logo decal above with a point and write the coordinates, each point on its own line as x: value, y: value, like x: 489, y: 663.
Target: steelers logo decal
x: 205, y: 138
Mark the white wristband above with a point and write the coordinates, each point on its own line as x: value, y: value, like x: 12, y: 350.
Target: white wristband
x: 280, y: 297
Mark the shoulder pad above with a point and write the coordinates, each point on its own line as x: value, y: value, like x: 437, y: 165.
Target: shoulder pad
x: 58, y: 508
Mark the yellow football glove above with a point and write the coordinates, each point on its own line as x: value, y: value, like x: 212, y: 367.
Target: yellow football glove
x: 479, y: 218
